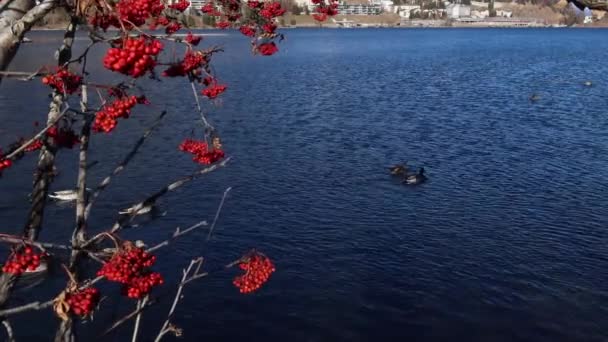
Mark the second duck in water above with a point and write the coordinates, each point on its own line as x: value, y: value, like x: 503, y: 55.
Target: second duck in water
x: 399, y: 169
x: 416, y: 178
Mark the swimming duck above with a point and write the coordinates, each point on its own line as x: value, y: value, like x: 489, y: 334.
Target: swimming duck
x: 65, y: 195
x: 399, y: 169
x: 588, y: 83
x: 534, y: 97
x: 416, y: 178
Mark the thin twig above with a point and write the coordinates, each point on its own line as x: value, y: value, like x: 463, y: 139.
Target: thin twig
x: 106, y: 181
x: 128, y: 317
x: 185, y: 276
x: 41, y: 245
x: 140, y: 305
x: 217, y: 213
x: 177, y: 233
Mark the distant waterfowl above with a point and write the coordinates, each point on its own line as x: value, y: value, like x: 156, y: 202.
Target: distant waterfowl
x: 534, y: 97
x: 399, y: 169
x: 415, y: 178
x: 65, y: 195
x: 588, y: 83
x: 131, y: 211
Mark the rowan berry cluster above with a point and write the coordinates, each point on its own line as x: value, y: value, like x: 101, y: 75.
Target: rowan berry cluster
x: 325, y: 9
x: 136, y: 12
x: 82, y: 303
x: 63, y: 81
x: 130, y: 267
x: 201, y: 152
x: 136, y: 57
x: 192, y: 39
x: 107, y: 118
x: 26, y: 259
x: 180, y: 6
x: 268, y: 49
x: 5, y: 164
x: 192, y: 62
x: 258, y: 269
x: 34, y: 146
x: 213, y: 90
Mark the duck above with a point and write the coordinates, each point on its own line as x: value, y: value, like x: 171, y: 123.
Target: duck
x: 534, y: 97
x: 131, y: 210
x: 416, y: 178
x: 398, y: 169
x: 66, y: 195
x: 588, y: 84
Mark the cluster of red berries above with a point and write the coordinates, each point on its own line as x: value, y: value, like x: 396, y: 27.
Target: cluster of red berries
x: 191, y: 63
x: 24, y: 260
x: 135, y: 58
x: 5, y: 164
x: 82, y: 303
x: 267, y: 49
x: 139, y: 287
x: 222, y: 25
x: 172, y: 28
x: 258, y: 269
x: 269, y: 27
x: 136, y: 12
x: 63, y: 80
x: 201, y: 152
x: 180, y: 6
x: 272, y: 10
x: 324, y: 10
x: 254, y: 4
x: 214, y: 90
x: 192, y: 39
x: 107, y: 118
x: 34, y: 146
x: 103, y: 21
x: 247, y: 30
x: 209, y: 8
x: 64, y: 137
x: 130, y: 267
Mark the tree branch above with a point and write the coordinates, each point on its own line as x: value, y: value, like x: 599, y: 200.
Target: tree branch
x: 106, y: 181
x: 9, y: 331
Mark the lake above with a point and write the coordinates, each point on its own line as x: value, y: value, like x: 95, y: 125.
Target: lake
x: 505, y: 242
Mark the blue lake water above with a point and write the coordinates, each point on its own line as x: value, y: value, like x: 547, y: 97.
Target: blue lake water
x: 506, y: 242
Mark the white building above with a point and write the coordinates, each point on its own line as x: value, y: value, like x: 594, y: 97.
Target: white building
x: 405, y: 11
x: 359, y: 7
x: 456, y: 11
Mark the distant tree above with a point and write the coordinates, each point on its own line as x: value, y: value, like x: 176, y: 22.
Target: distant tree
x: 292, y: 22
x: 296, y: 10
x: 572, y: 17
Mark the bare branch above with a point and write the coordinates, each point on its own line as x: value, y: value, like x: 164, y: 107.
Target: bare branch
x: 128, y: 317
x: 41, y: 245
x: 78, y: 235
x: 39, y: 134
x: 9, y: 331
x: 186, y: 273
x: 140, y: 305
x: 27, y: 307
x: 217, y: 213
x: 106, y: 181
x: 177, y: 233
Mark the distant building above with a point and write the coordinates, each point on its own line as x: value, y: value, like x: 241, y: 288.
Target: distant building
x: 588, y: 16
x: 405, y: 11
x: 456, y: 11
x: 359, y: 7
